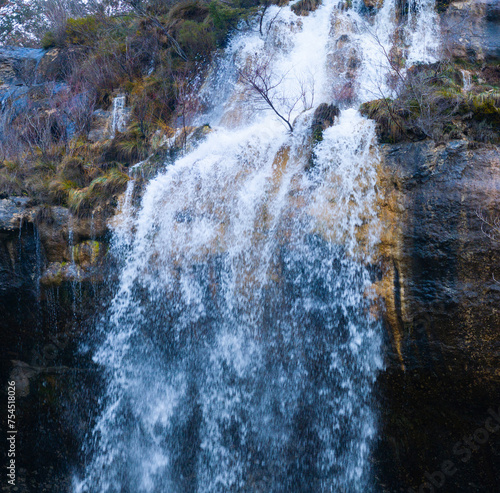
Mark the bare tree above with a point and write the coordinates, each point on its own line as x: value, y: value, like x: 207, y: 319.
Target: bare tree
x: 76, y: 110
x: 57, y: 13
x: 265, y: 6
x: 265, y: 86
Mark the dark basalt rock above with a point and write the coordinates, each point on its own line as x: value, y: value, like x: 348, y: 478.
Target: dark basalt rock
x: 442, y: 302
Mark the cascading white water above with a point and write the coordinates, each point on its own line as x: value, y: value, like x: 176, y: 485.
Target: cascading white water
x: 118, y: 115
x: 239, y: 350
x: 467, y: 80
x: 423, y: 32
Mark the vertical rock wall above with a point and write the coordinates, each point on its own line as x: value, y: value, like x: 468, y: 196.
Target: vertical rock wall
x: 441, y: 265
x: 51, y: 282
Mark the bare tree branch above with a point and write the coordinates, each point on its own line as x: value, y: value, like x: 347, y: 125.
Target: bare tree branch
x: 259, y: 79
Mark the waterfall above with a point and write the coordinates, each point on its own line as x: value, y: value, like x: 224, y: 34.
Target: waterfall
x: 241, y: 348
x: 423, y: 32
x: 118, y: 115
x: 123, y: 221
x: 467, y: 80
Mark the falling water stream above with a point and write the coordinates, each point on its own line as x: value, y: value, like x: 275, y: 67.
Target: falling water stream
x: 240, y: 349
x: 118, y: 115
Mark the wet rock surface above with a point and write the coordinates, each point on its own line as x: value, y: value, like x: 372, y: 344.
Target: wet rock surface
x: 442, y: 297
x: 324, y: 117
x: 35, y: 81
x: 373, y: 3
x: 52, y: 270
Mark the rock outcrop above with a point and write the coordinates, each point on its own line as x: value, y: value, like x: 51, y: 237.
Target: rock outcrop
x: 471, y: 31
x: 373, y: 3
x: 18, y: 66
x: 62, y: 238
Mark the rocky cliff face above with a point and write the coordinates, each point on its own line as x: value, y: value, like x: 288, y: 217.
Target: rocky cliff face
x: 440, y: 205
x: 441, y: 259
x: 51, y: 281
x: 439, y: 200
x: 470, y: 31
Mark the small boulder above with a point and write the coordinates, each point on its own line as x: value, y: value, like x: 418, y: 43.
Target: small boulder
x: 324, y: 117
